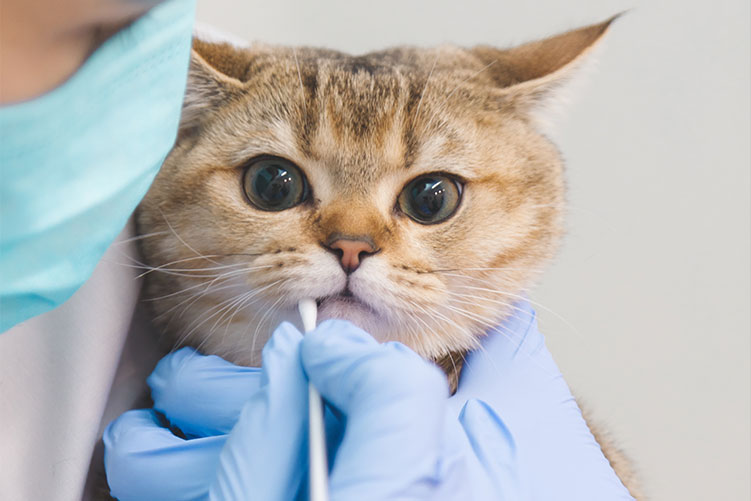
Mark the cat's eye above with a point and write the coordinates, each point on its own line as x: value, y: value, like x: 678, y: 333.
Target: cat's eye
x: 274, y: 184
x: 431, y: 198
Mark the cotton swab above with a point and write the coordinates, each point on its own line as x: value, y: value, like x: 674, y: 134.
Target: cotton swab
x: 318, y: 467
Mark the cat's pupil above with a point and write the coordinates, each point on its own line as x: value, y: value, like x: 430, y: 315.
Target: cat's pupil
x: 428, y: 196
x: 273, y: 184
x: 431, y: 198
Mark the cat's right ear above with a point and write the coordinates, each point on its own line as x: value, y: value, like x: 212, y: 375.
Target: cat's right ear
x: 533, y: 77
x: 208, y: 89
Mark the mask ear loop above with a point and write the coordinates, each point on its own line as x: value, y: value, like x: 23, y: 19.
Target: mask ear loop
x: 318, y: 470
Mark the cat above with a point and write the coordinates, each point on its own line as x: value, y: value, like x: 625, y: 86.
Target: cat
x: 409, y: 191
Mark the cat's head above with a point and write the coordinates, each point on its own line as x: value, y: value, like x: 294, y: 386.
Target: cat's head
x: 409, y: 191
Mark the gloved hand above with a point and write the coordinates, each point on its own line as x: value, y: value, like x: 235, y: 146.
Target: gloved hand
x: 512, y: 431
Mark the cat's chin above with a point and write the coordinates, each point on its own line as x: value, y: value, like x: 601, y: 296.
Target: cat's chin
x: 351, y: 309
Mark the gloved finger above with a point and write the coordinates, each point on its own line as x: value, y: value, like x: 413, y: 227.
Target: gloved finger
x: 144, y: 461
x: 202, y: 395
x: 478, y: 460
x: 493, y: 457
x: 394, y: 403
x: 264, y: 453
x: 517, y: 376
x: 334, y: 422
x: 512, y: 363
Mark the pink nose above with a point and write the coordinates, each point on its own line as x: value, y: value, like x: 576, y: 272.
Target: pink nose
x: 351, y: 252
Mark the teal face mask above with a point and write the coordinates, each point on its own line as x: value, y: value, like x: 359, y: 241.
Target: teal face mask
x: 74, y: 163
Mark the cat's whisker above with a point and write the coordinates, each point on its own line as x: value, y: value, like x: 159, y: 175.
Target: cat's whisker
x: 434, y: 312
x: 260, y: 322
x: 487, y: 322
x: 455, y: 294
x: 533, y: 303
x: 176, y: 293
x: 420, y: 319
x: 227, y: 308
x: 223, y: 304
x: 205, y: 317
x: 138, y: 264
x: 243, y: 303
x: 255, y: 293
x: 493, y: 324
x: 175, y: 315
x: 489, y: 300
x: 143, y: 266
x: 464, y: 299
x: 516, y: 338
x: 247, y: 300
x: 188, y: 289
x: 223, y: 277
x: 183, y: 260
x: 185, y: 271
x: 195, y: 258
x: 502, y: 268
x: 431, y: 316
x: 208, y: 288
x: 230, y: 310
x: 193, y: 298
x: 403, y: 317
x: 232, y: 273
x: 180, y: 238
x: 140, y: 237
x: 188, y: 302
x: 165, y: 271
x: 520, y: 298
x: 478, y: 345
x: 166, y: 267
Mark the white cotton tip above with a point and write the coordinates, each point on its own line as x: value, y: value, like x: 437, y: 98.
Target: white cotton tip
x: 308, y: 313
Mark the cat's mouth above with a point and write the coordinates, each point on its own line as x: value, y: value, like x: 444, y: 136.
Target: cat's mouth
x: 343, y: 299
x: 345, y: 295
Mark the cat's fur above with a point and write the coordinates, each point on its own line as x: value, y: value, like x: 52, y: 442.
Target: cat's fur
x: 360, y: 128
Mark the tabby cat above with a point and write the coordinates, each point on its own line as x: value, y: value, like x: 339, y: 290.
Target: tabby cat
x: 409, y: 191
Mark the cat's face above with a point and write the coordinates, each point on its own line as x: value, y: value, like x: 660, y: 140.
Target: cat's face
x: 407, y: 191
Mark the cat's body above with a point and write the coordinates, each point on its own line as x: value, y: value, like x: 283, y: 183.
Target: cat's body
x: 408, y: 191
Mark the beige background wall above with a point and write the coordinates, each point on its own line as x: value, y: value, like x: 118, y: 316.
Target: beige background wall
x: 653, y: 282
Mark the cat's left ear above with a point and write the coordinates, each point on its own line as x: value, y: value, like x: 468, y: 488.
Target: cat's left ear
x: 532, y: 76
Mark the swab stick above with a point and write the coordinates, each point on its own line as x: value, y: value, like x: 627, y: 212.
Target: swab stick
x: 318, y: 468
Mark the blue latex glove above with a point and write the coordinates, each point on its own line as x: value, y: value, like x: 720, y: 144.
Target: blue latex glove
x: 512, y: 431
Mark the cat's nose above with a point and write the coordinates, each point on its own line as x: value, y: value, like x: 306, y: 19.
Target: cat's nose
x: 351, y: 251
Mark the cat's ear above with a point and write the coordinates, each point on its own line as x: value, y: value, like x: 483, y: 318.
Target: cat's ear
x: 213, y: 81
x: 533, y: 76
